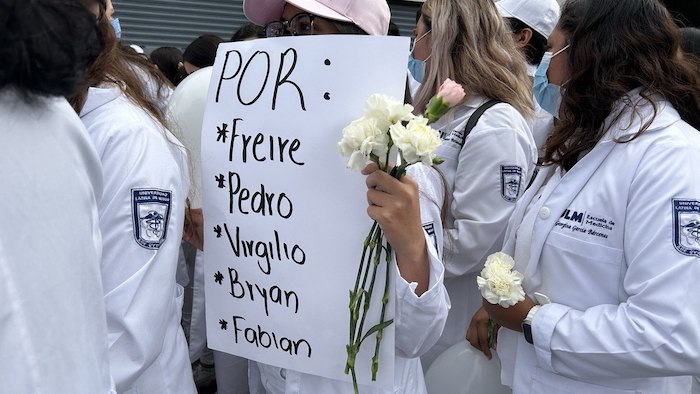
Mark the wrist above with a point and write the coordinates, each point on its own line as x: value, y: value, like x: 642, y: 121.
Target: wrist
x: 527, y: 323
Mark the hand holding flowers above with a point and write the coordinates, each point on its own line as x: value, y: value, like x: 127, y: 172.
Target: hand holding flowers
x: 501, y: 286
x: 392, y: 138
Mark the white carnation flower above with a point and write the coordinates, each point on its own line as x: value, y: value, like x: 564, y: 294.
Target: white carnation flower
x: 386, y: 110
x: 498, y: 262
x: 417, y: 141
x: 361, y: 138
x: 499, y: 282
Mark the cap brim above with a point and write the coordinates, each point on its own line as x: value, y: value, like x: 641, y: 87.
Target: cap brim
x: 262, y: 12
x: 319, y: 9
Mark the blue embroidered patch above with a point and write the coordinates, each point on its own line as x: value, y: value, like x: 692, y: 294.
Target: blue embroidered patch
x: 686, y: 226
x: 511, y: 178
x: 150, y: 216
x: 430, y: 230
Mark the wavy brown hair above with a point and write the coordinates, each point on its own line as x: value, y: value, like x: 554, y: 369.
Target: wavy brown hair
x: 615, y: 47
x: 118, y: 67
x: 472, y: 45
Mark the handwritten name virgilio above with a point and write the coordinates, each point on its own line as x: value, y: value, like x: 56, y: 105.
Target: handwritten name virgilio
x: 266, y: 251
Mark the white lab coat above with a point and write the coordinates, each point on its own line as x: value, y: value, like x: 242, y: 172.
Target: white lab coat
x: 418, y: 321
x: 624, y: 316
x: 498, y: 150
x: 53, y: 336
x: 145, y: 175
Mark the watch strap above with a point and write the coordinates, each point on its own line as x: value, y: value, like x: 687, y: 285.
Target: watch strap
x: 527, y: 323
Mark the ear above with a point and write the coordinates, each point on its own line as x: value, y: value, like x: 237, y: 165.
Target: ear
x: 522, y: 38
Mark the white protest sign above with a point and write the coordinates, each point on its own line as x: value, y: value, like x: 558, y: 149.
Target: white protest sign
x: 285, y: 221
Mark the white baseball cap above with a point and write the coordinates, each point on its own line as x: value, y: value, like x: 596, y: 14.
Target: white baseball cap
x: 372, y: 16
x: 540, y: 15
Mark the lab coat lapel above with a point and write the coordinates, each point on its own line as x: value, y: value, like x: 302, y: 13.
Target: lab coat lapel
x: 559, y: 199
x: 521, y: 207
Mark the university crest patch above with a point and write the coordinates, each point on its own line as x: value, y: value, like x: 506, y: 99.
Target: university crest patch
x: 150, y: 216
x: 686, y: 227
x: 511, y: 178
x: 430, y: 230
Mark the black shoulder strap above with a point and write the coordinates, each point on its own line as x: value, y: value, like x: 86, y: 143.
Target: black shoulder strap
x: 475, y: 118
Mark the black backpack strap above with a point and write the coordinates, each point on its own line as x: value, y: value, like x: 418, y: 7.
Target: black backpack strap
x: 474, y: 118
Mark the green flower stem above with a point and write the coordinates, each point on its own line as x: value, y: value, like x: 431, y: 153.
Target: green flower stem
x: 358, y: 293
x: 399, y: 171
x: 491, y: 333
x: 368, y: 297
x: 350, y: 363
x: 368, y: 239
x: 354, y: 382
x: 385, y: 301
x: 362, y: 295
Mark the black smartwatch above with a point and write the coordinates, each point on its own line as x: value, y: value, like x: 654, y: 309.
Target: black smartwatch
x: 527, y: 323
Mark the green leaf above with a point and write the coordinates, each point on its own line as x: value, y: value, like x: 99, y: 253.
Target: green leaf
x: 378, y: 327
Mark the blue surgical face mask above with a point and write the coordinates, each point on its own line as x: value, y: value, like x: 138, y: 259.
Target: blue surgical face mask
x: 548, y: 95
x: 417, y: 67
x: 117, y: 28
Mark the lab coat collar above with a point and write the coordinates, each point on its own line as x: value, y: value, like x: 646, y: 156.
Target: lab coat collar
x: 100, y: 96
x: 626, y: 120
x: 531, y: 69
x: 475, y: 101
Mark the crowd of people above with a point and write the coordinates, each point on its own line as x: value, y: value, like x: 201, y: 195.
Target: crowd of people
x: 572, y: 151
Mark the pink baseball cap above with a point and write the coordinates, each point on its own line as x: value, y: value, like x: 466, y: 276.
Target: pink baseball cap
x: 372, y: 16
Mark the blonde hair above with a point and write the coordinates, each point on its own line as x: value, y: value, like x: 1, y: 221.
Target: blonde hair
x: 472, y: 45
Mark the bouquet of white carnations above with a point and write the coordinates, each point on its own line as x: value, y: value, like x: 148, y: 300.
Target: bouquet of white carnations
x: 393, y: 138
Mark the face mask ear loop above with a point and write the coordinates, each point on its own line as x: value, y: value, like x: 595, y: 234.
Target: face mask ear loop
x: 418, y: 39
x: 561, y: 50
x: 558, y: 52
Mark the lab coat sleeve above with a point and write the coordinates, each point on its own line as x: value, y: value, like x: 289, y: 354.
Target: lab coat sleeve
x: 420, y: 320
x: 139, y: 283
x: 654, y: 332
x: 480, y: 211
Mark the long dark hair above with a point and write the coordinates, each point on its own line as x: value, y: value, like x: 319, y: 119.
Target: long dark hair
x: 119, y: 68
x: 46, y: 46
x: 615, y: 47
x: 169, y: 62
x: 202, y: 50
